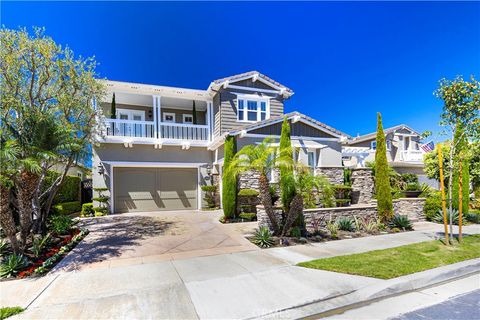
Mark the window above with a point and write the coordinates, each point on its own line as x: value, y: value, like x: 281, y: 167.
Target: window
x: 126, y: 114
x: 79, y: 174
x: 168, y: 117
x: 187, y: 118
x: 252, y: 110
x: 389, y: 145
x: 373, y: 145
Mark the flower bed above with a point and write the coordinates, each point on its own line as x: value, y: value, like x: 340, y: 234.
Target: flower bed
x: 43, y: 261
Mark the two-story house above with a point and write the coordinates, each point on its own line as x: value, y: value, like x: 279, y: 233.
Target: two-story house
x: 155, y: 153
x: 403, y: 151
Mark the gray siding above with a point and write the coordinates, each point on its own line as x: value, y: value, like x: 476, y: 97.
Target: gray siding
x: 297, y: 129
x: 225, y: 105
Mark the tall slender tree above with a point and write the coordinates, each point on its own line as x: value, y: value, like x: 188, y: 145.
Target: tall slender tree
x: 287, y: 185
x: 382, y: 180
x: 113, y: 108
x: 461, y: 155
x: 194, y: 113
x: 229, y: 180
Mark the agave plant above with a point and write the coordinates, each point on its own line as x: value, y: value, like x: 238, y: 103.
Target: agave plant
x: 332, y: 228
x: 345, y: 224
x: 401, y: 222
x: 263, y: 238
x: 12, y: 265
x: 439, y: 216
x: 39, y: 243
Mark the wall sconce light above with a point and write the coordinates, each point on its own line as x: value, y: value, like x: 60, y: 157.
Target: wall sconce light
x: 209, y: 170
x: 101, y: 169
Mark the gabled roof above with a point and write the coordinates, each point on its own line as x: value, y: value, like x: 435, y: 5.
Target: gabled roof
x: 291, y: 116
x: 255, y: 75
x: 373, y: 135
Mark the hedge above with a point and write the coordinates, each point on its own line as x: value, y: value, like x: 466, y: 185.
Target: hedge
x: 229, y: 181
x: 382, y: 179
x: 69, y: 189
x: 87, y: 210
x: 66, y: 208
x: 248, y: 193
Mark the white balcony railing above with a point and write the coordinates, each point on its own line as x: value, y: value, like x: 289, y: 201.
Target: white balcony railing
x: 182, y: 131
x: 146, y: 129
x: 412, y: 155
x: 130, y: 128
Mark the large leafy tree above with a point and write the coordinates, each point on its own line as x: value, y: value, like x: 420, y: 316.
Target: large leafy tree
x: 461, y: 109
x: 382, y: 179
x: 287, y: 186
x: 47, y: 110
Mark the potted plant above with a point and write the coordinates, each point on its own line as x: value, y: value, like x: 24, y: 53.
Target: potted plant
x: 412, y: 190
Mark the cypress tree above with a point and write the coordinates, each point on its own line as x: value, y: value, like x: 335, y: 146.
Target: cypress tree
x: 229, y: 181
x: 113, y: 108
x: 194, y: 113
x: 287, y: 187
x: 382, y: 180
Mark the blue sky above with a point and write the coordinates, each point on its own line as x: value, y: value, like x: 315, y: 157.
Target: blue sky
x: 345, y: 61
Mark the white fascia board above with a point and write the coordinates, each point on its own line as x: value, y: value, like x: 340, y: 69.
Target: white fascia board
x: 145, y: 164
x: 153, y: 142
x: 253, y: 135
x: 253, y: 90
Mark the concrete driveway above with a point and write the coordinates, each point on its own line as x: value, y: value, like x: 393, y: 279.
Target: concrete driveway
x: 136, y: 238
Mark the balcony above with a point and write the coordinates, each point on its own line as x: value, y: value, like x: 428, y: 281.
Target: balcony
x: 146, y: 129
x: 411, y: 155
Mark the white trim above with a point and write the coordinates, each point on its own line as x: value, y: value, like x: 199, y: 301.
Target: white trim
x: 314, y: 159
x: 130, y: 114
x: 253, y: 89
x: 168, y: 114
x: 258, y: 100
x: 187, y: 115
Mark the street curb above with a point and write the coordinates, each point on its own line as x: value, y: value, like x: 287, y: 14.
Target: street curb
x: 389, y: 288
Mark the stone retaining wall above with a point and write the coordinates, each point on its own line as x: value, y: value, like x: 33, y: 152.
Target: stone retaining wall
x: 250, y: 201
x: 412, y: 207
x: 248, y: 180
x: 262, y: 217
x: 363, y: 185
x: 318, y: 217
x: 333, y: 174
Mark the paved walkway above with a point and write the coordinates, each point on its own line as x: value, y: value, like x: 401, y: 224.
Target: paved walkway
x: 237, y: 285
x: 137, y: 238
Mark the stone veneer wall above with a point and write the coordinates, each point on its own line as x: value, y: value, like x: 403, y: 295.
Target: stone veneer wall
x: 248, y: 180
x: 333, y: 174
x: 250, y: 201
x: 320, y: 216
x: 262, y: 217
x: 363, y: 185
x: 412, y: 207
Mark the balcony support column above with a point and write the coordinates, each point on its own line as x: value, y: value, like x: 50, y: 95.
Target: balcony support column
x: 208, y: 120
x: 156, y: 114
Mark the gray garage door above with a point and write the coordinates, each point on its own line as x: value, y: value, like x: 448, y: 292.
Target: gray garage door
x: 152, y: 189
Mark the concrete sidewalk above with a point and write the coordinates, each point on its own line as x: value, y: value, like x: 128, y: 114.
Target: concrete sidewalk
x: 228, y: 286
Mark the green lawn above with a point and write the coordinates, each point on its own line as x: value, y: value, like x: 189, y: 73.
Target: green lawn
x: 9, y: 311
x: 399, y: 261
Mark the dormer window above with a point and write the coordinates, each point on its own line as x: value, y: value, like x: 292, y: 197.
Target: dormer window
x: 252, y: 109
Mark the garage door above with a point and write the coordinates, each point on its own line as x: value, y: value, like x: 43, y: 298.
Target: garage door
x: 152, y: 189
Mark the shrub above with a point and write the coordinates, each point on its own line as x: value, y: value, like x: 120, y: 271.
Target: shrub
x: 409, y: 178
x: 401, y: 222
x: 67, y: 207
x: 248, y: 193
x: 12, y: 265
x: 100, y: 211
x: 433, y: 203
x: 249, y: 216
x: 87, y: 210
x: 382, y: 179
x: 473, y: 217
x: 39, y: 243
x: 413, y: 186
x: 6, y: 312
x: 438, y: 218
x: 102, y: 199
x: 60, y: 224
x: 229, y: 181
x: 69, y: 189
x: 345, y: 224
x: 295, y: 232
x: 332, y: 228
x: 263, y: 238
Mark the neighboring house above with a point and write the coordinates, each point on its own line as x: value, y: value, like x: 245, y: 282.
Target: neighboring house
x: 153, y: 157
x: 403, y: 151
x: 76, y: 170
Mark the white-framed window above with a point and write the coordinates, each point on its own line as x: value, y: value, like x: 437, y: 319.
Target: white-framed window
x: 373, y: 145
x: 168, y: 117
x: 80, y: 174
x: 252, y: 109
x: 187, y: 118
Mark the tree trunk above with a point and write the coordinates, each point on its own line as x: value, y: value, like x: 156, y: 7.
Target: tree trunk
x: 266, y: 199
x: 26, y: 185
x: 6, y: 218
x: 450, y: 185
x: 296, y: 209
